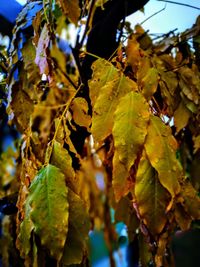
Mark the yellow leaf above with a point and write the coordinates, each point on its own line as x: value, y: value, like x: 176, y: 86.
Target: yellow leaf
x: 103, y: 71
x: 161, y: 149
x: 79, y: 107
x: 149, y: 83
x: 106, y: 104
x: 151, y: 197
x: 129, y: 132
x: 133, y: 52
x: 181, y: 116
x: 62, y: 160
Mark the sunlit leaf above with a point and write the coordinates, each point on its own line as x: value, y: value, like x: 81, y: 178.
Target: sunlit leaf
x: 129, y: 132
x: 103, y: 72
x: 49, y: 209
x: 62, y: 160
x: 161, y: 149
x: 152, y: 198
x: 106, y: 104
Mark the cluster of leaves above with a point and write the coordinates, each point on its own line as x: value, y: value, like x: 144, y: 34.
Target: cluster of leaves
x: 143, y: 138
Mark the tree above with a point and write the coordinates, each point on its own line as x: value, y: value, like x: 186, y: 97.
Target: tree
x: 119, y: 104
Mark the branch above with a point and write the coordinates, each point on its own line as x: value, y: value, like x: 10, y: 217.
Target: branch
x: 180, y: 4
x: 154, y: 14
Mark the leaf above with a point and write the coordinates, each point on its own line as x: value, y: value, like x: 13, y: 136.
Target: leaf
x: 134, y: 54
x: 149, y: 83
x: 79, y: 225
x: 103, y: 72
x: 161, y: 149
x: 189, y: 84
x: 79, y: 107
x: 22, y: 108
x: 71, y: 10
x: 62, y: 160
x: 151, y: 197
x: 181, y: 117
x: 26, y: 228
x: 191, y: 199
x: 182, y: 217
x: 41, y: 52
x: 49, y: 209
x: 129, y: 132
x: 106, y: 104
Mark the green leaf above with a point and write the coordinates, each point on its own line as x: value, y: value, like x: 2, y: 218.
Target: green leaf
x: 79, y: 225
x: 152, y: 198
x: 106, y: 104
x: 49, y: 209
x: 161, y: 149
x: 26, y: 228
x: 62, y: 159
x: 129, y: 132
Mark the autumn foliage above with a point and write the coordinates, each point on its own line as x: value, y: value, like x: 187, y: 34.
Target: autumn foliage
x: 139, y: 115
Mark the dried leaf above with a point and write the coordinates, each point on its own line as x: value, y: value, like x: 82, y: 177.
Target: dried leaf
x: 191, y: 201
x: 71, y: 9
x: 41, y: 52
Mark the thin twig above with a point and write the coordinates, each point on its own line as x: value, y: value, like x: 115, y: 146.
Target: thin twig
x: 87, y: 23
x: 180, y: 4
x: 153, y: 15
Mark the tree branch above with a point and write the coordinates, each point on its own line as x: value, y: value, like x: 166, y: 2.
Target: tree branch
x: 180, y: 4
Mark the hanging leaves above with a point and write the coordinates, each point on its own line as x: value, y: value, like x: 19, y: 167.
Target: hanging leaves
x: 106, y: 104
